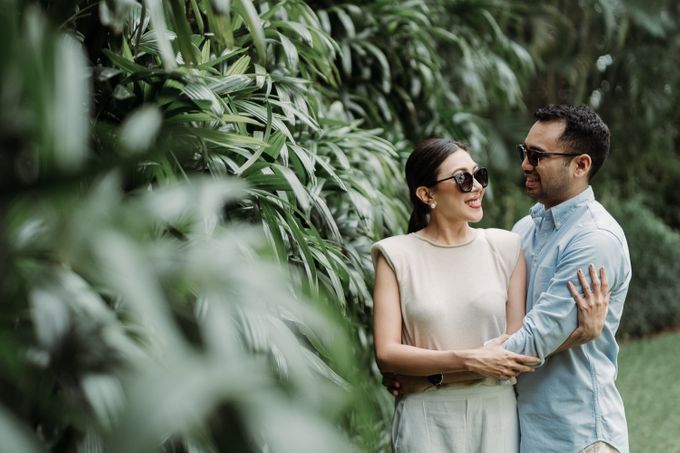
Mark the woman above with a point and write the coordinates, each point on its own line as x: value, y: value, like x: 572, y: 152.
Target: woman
x: 441, y: 292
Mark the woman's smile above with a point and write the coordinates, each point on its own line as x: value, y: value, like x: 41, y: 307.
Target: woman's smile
x: 474, y: 202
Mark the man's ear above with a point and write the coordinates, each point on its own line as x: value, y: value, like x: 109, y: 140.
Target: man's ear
x: 583, y: 165
x: 424, y: 194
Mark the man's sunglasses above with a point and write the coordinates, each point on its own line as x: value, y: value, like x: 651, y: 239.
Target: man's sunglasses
x: 533, y: 156
x: 465, y: 180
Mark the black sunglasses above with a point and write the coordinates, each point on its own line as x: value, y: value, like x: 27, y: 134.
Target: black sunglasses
x: 465, y: 180
x: 533, y: 156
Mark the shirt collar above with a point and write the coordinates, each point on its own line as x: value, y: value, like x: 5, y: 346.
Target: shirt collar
x: 561, y: 212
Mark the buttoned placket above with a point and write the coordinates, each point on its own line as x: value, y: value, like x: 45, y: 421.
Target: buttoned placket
x: 546, y: 227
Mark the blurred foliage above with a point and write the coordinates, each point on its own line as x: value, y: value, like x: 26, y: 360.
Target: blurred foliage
x: 189, y: 190
x: 145, y: 311
x: 652, y: 304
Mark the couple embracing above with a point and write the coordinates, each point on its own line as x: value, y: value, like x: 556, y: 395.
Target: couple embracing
x: 497, y: 341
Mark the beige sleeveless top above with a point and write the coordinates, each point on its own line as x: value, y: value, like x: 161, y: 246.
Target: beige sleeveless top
x: 452, y: 297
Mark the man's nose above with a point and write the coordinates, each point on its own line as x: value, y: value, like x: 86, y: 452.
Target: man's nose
x: 526, y: 166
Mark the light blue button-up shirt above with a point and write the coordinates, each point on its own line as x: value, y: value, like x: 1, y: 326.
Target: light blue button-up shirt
x: 571, y: 400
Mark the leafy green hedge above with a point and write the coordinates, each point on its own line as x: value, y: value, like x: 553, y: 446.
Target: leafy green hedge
x: 653, y: 302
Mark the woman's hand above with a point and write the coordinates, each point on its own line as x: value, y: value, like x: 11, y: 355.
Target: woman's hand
x: 496, y: 362
x: 592, y: 306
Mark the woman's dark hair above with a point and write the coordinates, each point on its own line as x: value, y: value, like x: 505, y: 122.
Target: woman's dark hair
x: 421, y: 170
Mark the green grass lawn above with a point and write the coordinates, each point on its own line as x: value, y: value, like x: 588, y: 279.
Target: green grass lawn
x: 649, y: 381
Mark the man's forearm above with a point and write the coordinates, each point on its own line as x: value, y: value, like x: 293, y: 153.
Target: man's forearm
x: 539, y: 338
x: 576, y: 338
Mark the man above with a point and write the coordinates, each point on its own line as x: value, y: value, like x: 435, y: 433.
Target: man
x: 570, y: 403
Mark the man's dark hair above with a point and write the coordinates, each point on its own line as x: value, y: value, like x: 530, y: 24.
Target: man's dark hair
x: 584, y: 131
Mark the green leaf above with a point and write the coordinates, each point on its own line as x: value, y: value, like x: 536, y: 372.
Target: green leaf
x: 240, y: 66
x: 222, y: 7
x: 301, y: 30
x: 252, y: 159
x: 345, y: 20
x: 290, y: 51
x: 248, y: 13
x: 261, y: 113
x: 300, y: 240
x: 382, y: 59
x: 226, y: 55
x: 16, y: 436
x: 140, y: 129
x: 198, y: 92
x: 276, y: 143
x: 71, y: 104
x: 230, y: 84
x: 295, y: 185
x: 329, y: 220
x: 150, y: 43
x: 185, y: 43
x: 155, y: 8
x: 123, y: 63
x: 271, y: 222
x: 240, y: 119
x: 302, y: 155
x: 225, y: 139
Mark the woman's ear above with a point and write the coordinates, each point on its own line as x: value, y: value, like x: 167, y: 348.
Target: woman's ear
x: 424, y: 194
x: 583, y: 165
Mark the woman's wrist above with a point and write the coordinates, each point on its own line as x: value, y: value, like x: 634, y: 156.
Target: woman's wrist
x: 462, y: 359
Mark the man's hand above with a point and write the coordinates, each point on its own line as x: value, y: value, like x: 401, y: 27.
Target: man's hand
x: 592, y: 306
x: 399, y: 385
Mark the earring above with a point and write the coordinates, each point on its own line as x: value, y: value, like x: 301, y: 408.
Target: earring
x: 433, y: 204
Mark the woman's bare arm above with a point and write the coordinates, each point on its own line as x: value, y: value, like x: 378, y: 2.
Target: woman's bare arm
x: 394, y: 357
x: 515, y: 307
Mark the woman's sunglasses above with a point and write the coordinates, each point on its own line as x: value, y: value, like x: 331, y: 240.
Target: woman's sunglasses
x: 465, y: 180
x: 534, y: 156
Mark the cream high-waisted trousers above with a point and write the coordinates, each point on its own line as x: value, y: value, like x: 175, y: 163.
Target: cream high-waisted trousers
x: 479, y: 419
